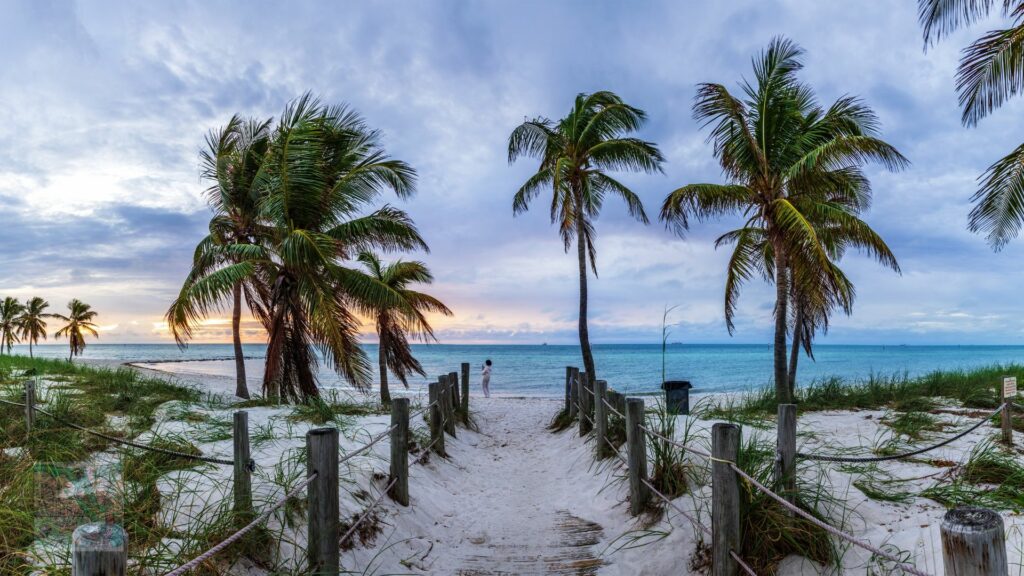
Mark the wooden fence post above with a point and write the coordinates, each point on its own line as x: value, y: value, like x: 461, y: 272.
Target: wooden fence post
x: 99, y: 549
x: 1007, y: 415
x: 585, y: 399
x: 243, y: 469
x: 785, y: 464
x: 436, y: 417
x: 453, y: 377
x: 322, y: 502
x: 574, y: 393
x: 973, y: 543
x: 465, y: 392
x: 30, y: 406
x: 725, y: 499
x: 449, y: 413
x: 568, y: 389
x: 400, y: 450
x: 601, y: 419
x: 636, y: 444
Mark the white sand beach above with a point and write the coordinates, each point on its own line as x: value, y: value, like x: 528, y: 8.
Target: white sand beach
x: 515, y: 498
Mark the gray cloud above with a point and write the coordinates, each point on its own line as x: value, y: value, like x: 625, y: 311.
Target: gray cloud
x: 103, y: 108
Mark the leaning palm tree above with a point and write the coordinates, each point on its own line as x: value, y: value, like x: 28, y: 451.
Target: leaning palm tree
x: 793, y: 170
x: 324, y: 168
x: 10, y: 311
x: 991, y: 71
x: 396, y: 324
x: 232, y: 158
x: 576, y: 153
x: 32, y: 323
x: 79, y: 322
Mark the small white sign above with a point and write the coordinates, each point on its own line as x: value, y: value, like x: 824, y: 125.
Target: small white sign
x: 1009, y: 386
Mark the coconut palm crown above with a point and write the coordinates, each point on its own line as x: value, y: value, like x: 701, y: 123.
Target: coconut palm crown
x: 991, y: 71
x: 10, y: 311
x: 576, y: 153
x: 793, y: 171
x: 32, y: 323
x: 78, y: 323
x: 395, y: 325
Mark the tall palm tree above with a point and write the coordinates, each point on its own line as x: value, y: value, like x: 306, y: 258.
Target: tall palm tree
x: 232, y: 158
x: 991, y: 71
x: 576, y: 153
x: 10, y: 311
x: 32, y: 323
x: 79, y: 322
x: 396, y: 324
x: 793, y: 171
x: 324, y: 168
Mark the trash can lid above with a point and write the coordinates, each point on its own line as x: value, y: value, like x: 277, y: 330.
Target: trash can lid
x: 676, y: 385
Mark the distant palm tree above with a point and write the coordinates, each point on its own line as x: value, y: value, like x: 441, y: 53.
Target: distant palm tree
x: 10, y: 311
x: 232, y: 157
x: 991, y: 71
x: 794, y: 172
x: 396, y: 324
x: 79, y: 321
x: 323, y: 169
x: 575, y: 155
x: 31, y: 323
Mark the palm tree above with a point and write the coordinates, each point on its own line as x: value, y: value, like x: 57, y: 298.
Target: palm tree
x: 575, y: 155
x: 79, y: 320
x: 794, y: 172
x: 991, y: 71
x: 10, y: 311
x: 232, y: 158
x: 31, y: 323
x: 395, y: 325
x: 324, y: 167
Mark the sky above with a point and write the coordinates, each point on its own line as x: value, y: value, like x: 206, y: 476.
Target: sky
x: 104, y: 107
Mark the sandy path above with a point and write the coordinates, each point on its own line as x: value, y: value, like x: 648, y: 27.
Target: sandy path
x: 504, y: 503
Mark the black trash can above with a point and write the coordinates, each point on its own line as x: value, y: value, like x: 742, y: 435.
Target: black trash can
x: 677, y: 396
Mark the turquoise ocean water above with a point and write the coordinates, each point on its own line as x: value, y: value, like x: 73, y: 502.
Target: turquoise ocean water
x: 540, y: 370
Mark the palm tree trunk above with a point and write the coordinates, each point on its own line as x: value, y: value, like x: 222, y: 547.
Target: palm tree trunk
x: 30, y: 355
x: 385, y: 394
x: 581, y: 251
x: 794, y: 355
x: 781, y: 300
x: 241, y: 386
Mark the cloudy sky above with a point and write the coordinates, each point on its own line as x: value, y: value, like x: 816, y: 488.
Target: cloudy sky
x: 104, y: 105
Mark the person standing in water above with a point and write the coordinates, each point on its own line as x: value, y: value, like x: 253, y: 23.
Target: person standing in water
x: 487, y: 378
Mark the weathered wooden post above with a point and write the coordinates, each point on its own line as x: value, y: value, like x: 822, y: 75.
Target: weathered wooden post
x: 725, y: 499
x: 1007, y: 394
x: 785, y: 464
x: 400, y: 450
x: 574, y: 393
x: 465, y: 392
x: 449, y: 412
x: 636, y: 445
x: 568, y: 389
x: 601, y: 419
x: 973, y: 543
x: 322, y: 502
x: 453, y: 377
x: 243, y: 469
x: 99, y: 549
x: 436, y: 417
x: 30, y: 406
x: 585, y: 399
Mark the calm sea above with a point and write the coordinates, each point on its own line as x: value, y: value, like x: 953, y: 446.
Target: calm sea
x: 540, y: 370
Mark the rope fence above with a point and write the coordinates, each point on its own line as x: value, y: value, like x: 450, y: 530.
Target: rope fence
x: 198, y: 560
x: 959, y: 538
x: 445, y: 409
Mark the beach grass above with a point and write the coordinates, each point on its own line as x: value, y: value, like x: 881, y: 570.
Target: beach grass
x: 972, y: 388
